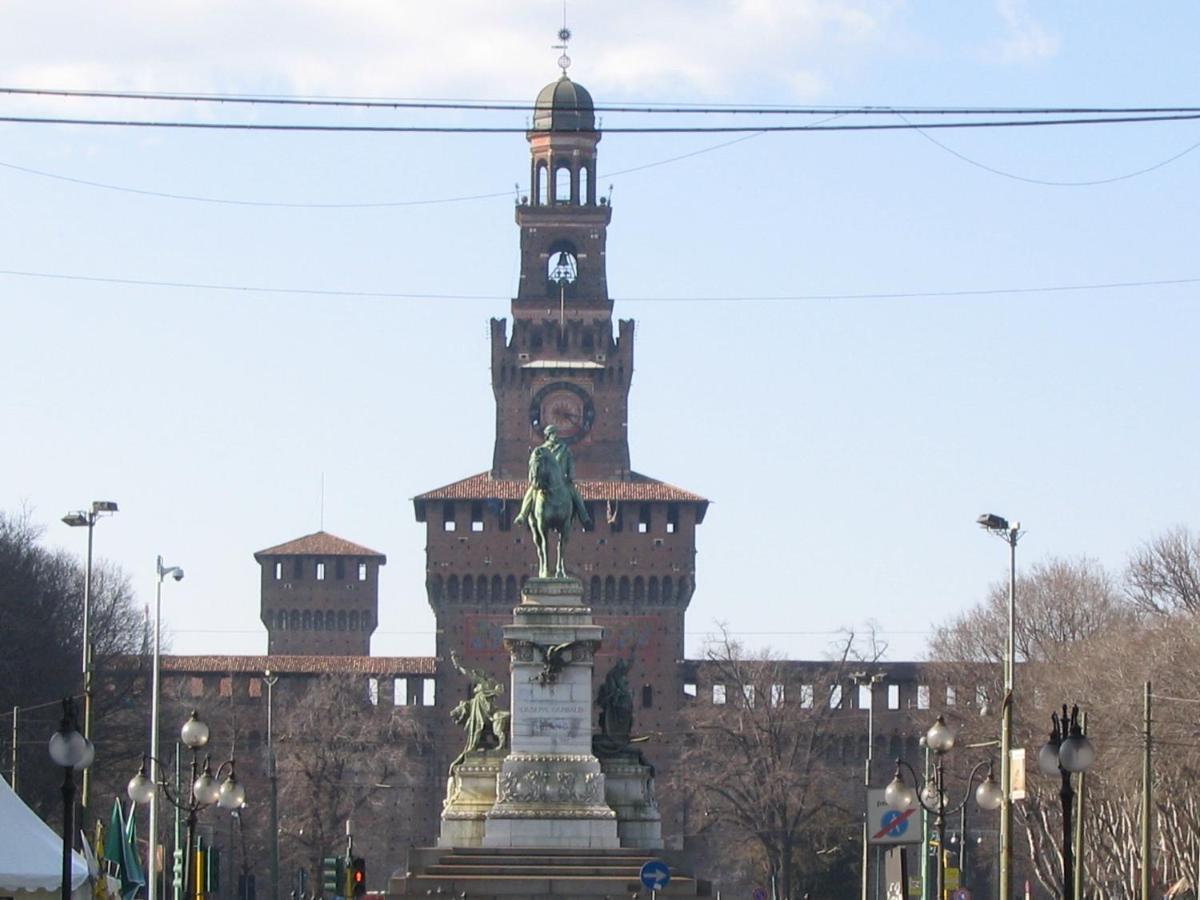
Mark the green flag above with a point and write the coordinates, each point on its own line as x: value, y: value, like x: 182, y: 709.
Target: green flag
x: 133, y: 876
x: 114, y: 841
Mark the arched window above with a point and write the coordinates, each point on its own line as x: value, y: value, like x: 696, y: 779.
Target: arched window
x: 353, y: 623
x: 510, y: 589
x: 684, y: 592
x: 306, y: 620
x: 481, y: 588
x: 341, y: 620
x: 542, y: 190
x: 667, y: 589
x: 281, y: 620
x: 330, y: 620
x: 585, y: 196
x: 596, y: 589
x: 452, y: 588
x: 639, y: 589
x: 294, y: 623
x: 366, y: 620
x: 468, y: 588
x: 497, y: 588
x: 436, y: 587
x: 562, y: 184
x: 652, y: 596
x: 624, y: 588
x: 610, y: 589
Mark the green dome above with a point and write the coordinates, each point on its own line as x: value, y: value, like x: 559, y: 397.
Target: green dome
x: 564, y: 105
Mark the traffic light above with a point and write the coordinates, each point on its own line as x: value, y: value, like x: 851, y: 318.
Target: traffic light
x: 333, y: 876
x: 358, y: 877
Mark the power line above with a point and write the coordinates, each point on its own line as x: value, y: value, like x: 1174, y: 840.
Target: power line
x: 663, y: 129
x: 658, y: 107
x: 795, y: 298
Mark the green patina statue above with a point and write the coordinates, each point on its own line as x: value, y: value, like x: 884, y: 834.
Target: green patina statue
x: 487, y: 727
x: 551, y: 501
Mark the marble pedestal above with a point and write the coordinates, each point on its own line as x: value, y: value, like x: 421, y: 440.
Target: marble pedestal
x: 629, y: 790
x: 550, y: 791
x: 470, y: 796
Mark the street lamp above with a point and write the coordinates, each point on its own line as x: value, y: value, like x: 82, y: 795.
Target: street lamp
x: 162, y: 572
x: 931, y: 796
x: 83, y: 518
x: 863, y: 679
x: 273, y: 779
x: 74, y: 752
x: 1010, y: 533
x: 1068, y: 751
x: 205, y: 787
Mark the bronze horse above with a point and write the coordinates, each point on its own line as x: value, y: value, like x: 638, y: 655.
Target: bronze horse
x: 553, y: 509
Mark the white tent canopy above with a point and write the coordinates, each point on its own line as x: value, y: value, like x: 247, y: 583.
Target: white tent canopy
x: 30, y: 851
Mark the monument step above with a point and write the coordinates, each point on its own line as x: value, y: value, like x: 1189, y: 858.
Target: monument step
x: 481, y: 887
x: 546, y: 871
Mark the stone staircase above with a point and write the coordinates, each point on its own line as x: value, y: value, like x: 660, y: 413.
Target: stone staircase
x: 511, y: 874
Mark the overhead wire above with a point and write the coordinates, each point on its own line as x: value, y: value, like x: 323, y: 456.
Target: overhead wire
x: 1045, y: 181
x: 795, y: 298
x: 651, y: 129
x: 655, y: 107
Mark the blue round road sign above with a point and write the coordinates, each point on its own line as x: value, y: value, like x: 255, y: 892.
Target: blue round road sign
x: 655, y: 875
x: 760, y: 893
x: 899, y: 827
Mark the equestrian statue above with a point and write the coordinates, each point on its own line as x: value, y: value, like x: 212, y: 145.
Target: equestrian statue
x: 551, y: 501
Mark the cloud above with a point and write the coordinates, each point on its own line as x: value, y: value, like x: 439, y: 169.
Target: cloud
x: 1026, y: 41
x: 453, y: 48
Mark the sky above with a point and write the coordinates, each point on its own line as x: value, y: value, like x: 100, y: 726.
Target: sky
x: 852, y: 342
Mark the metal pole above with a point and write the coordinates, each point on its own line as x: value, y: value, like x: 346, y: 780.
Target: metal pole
x: 1006, y: 726
x: 962, y: 846
x: 274, y: 785
x: 940, y: 822
x: 1078, y: 836
x: 1067, y: 795
x: 87, y: 652
x: 13, y: 780
x: 866, y: 837
x: 925, y: 837
x: 68, y: 797
x: 1147, y: 790
x: 152, y: 825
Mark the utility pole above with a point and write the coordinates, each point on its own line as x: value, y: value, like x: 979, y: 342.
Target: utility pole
x: 1147, y: 791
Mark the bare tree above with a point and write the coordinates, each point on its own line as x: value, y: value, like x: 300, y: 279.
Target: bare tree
x: 337, y: 751
x: 1060, y: 601
x: 1163, y: 576
x: 758, y: 763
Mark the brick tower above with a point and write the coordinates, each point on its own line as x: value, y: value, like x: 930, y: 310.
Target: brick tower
x: 561, y: 364
x: 320, y: 596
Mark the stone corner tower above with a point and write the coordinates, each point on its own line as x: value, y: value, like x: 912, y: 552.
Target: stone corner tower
x: 320, y: 596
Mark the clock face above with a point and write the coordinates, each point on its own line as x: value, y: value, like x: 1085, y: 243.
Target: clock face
x: 566, y: 406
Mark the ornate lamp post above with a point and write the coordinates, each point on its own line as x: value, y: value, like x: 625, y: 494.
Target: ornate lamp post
x: 87, y: 518
x: 932, y: 793
x: 74, y: 752
x: 1068, y: 751
x: 204, y: 788
x: 1010, y: 534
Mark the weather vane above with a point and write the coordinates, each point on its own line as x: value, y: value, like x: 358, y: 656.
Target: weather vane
x: 564, y: 35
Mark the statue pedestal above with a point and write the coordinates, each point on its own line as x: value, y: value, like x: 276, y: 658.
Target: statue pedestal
x: 629, y: 790
x: 550, y: 791
x: 470, y: 795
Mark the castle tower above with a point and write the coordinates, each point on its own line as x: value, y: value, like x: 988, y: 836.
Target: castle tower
x: 320, y: 596
x: 562, y: 364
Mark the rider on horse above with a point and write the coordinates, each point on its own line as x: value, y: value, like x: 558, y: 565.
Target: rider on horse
x: 562, y: 455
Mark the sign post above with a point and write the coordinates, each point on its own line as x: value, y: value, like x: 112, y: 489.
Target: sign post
x: 891, y: 826
x: 655, y: 875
